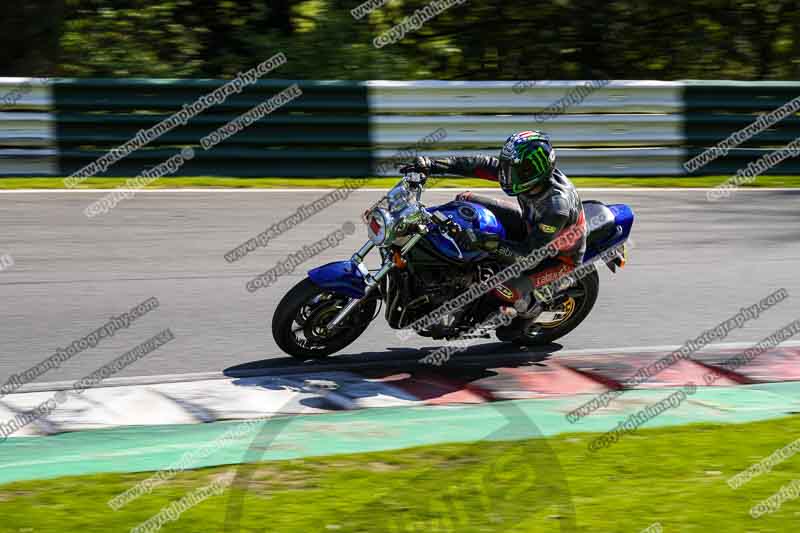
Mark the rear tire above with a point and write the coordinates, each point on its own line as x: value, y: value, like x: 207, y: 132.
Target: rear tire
x: 298, y: 325
x: 590, y: 284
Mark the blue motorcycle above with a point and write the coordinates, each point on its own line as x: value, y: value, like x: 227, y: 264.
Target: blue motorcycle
x: 422, y: 268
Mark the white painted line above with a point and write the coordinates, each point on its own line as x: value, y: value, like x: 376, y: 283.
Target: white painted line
x: 452, y: 189
x: 121, y: 382
x: 646, y: 349
x: 201, y: 190
x: 685, y: 189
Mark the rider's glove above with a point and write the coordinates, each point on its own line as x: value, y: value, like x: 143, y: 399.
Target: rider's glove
x: 421, y: 164
x: 470, y: 239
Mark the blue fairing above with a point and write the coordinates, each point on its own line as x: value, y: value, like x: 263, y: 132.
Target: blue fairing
x: 341, y: 277
x: 344, y: 278
x: 623, y: 217
x: 481, y: 220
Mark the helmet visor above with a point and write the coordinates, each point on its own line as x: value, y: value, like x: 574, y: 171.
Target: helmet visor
x: 512, y: 176
x: 505, y: 174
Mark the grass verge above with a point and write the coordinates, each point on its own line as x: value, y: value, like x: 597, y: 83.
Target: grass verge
x: 385, y: 183
x: 674, y: 476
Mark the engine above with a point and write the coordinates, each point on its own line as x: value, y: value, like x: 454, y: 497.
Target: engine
x: 415, y: 292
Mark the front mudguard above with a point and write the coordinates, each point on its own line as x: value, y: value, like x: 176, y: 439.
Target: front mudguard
x: 342, y: 277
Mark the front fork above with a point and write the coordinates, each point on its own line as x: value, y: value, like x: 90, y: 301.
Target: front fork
x: 371, y: 280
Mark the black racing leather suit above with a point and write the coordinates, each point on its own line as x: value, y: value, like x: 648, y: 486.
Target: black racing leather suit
x: 538, y: 219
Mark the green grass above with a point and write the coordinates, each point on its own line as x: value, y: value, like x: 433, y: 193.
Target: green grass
x: 458, y: 183
x: 675, y: 476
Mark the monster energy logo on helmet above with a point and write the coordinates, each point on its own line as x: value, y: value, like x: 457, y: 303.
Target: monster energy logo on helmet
x: 526, y: 160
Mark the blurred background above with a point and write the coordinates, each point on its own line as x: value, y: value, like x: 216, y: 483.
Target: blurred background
x: 478, y: 40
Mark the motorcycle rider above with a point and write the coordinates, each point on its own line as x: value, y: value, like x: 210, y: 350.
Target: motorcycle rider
x: 547, y: 206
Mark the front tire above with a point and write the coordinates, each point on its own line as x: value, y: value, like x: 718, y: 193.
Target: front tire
x: 298, y: 325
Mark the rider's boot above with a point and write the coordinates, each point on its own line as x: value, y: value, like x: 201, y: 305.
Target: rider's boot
x: 522, y: 315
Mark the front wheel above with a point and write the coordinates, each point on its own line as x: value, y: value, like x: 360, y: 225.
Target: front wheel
x: 557, y: 321
x: 299, y: 323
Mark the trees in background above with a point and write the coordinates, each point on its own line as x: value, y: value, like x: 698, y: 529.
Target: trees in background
x: 29, y: 37
x: 478, y: 40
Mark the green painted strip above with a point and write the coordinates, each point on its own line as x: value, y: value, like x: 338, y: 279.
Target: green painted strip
x: 153, y: 448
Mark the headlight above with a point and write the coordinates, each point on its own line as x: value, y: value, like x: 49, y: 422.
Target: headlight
x: 380, y: 226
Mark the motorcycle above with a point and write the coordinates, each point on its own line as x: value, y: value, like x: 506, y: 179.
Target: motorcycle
x: 422, y: 267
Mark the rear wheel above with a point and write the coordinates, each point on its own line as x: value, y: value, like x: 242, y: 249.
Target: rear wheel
x: 299, y: 325
x: 556, y: 321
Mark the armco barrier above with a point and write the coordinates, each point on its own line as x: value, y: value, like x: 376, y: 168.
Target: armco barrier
x: 715, y: 109
x: 324, y: 132
x: 620, y: 128
x: 499, y: 97
x: 341, y: 128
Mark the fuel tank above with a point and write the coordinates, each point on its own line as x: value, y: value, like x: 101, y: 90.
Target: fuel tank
x: 467, y: 215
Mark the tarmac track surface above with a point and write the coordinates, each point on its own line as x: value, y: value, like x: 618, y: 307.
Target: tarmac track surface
x: 694, y: 264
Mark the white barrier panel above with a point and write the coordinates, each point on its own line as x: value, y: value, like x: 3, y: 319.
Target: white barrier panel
x: 579, y: 162
x: 488, y: 131
x: 617, y: 96
x: 25, y: 94
x: 27, y: 128
x: 21, y: 162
